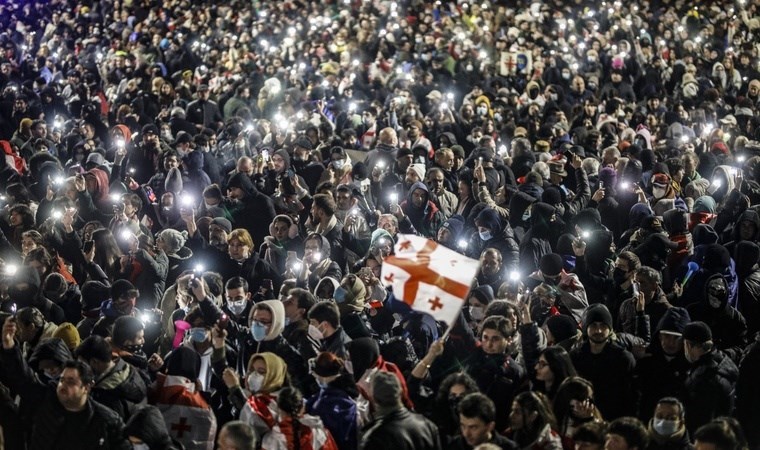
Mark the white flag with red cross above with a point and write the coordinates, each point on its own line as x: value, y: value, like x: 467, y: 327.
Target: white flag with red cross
x: 429, y: 277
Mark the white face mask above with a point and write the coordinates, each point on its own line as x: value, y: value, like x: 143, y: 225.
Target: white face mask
x: 477, y: 313
x: 141, y: 446
x: 255, y: 380
x: 315, y: 333
x: 658, y: 192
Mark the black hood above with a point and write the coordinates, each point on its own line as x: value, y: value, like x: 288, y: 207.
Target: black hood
x: 50, y: 349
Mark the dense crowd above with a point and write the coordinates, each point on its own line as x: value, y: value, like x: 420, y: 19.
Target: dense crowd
x: 198, y: 198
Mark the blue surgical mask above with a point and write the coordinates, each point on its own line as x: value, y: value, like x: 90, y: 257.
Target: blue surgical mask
x: 665, y: 427
x: 198, y: 335
x: 258, y: 331
x: 287, y: 321
x: 340, y: 294
x: 485, y: 235
x: 237, y: 308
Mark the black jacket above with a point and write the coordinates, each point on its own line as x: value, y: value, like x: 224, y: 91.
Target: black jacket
x: 401, y: 430
x: 611, y: 373
x: 100, y: 427
x: 120, y: 389
x: 255, y: 211
x: 709, y: 389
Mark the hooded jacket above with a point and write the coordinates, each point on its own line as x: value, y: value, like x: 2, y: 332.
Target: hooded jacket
x: 325, y: 268
x: 728, y: 326
x: 427, y: 219
x: 747, y: 256
x: 709, y: 389
x: 536, y: 242
x: 121, y: 389
x: 675, y: 222
x: 255, y: 211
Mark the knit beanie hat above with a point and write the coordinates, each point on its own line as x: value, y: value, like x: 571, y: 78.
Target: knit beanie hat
x: 551, y: 264
x: 419, y: 169
x: 184, y: 362
x: 562, y: 327
x: 69, y: 334
x: 489, y: 218
x: 174, y: 240
x: 386, y: 389
x: 597, y: 313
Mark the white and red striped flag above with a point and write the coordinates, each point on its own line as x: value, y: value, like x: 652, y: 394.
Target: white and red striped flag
x: 429, y: 277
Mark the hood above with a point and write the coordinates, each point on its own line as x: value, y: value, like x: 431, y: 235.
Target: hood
x: 746, y: 256
x: 484, y: 294
x: 589, y: 219
x: 723, y: 299
x: 722, y: 173
x: 183, y: 254
x: 646, y: 136
x: 638, y: 213
x: 675, y: 221
x: 415, y: 186
x: 53, y: 349
x: 519, y: 202
x: 125, y: 381
x: 193, y: 161
x: 101, y: 183
x: 278, y: 317
x: 751, y: 216
x: 173, y: 182
x: 277, y: 370
x: 285, y: 157
x: 124, y: 131
x: 704, y: 234
x: 450, y: 136
x: 364, y: 353
x: 148, y: 424
x: 325, y: 248
x: 378, y: 234
x: 329, y: 280
x: 704, y: 204
x: 242, y: 181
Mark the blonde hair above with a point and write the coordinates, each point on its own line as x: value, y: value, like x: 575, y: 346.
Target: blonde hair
x: 242, y: 235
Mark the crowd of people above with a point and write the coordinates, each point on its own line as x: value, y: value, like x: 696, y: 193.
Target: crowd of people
x: 198, y: 199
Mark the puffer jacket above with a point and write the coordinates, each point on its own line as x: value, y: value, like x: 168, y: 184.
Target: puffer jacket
x: 178, y: 263
x: 728, y: 326
x: 401, y: 430
x: 709, y: 389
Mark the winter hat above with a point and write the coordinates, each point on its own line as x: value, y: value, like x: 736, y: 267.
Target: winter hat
x: 608, y: 176
x: 419, y: 169
x: 551, y: 265
x: 597, y: 313
x: 676, y: 221
x: 489, y: 218
x: 746, y: 255
x: 697, y: 332
x: 360, y: 171
x: 94, y: 293
x: 122, y: 288
x: 173, y: 182
x: 327, y: 364
x: 386, y: 389
x: 378, y: 234
x: 661, y: 180
x: 454, y: 224
x: 184, y: 362
x: 717, y: 258
x: 282, y: 153
x: 54, y: 286
x: 484, y: 294
x: 562, y: 327
x: 705, y: 204
x: 69, y: 334
x: 222, y: 223
x: 674, y: 321
x: 551, y: 195
x: 174, y: 240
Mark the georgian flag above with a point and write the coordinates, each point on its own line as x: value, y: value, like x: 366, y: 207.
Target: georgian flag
x: 189, y: 419
x: 429, y: 277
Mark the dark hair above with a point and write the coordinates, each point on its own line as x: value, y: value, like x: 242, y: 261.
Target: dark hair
x: 94, y: 347
x: 675, y: 402
x: 107, y: 251
x: 559, y: 363
x: 501, y: 308
x: 134, y: 200
x: 325, y: 312
x: 573, y: 388
x: 125, y: 328
x: 236, y: 283
x: 241, y: 434
x: 632, y: 430
x: 634, y: 263
x: 214, y: 283
x: 42, y: 256
x: 500, y: 324
x: 650, y: 274
x: 461, y: 378
x: 592, y: 432
x: 305, y: 298
x: 326, y: 203
x: 27, y: 217
x: 290, y: 402
x: 30, y: 316
x: 724, y: 433
x: 84, y: 370
x: 478, y: 406
x: 530, y: 402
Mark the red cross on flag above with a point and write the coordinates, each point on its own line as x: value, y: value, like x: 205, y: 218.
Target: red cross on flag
x: 429, y: 277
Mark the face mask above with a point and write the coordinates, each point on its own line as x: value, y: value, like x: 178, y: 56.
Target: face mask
x: 142, y: 446
x: 714, y: 301
x: 198, y: 335
x: 367, y: 122
x: 566, y: 75
x: 412, y: 112
x: 497, y: 117
x: 658, y: 192
x: 340, y: 294
x: 482, y: 111
x: 52, y: 376
x: 134, y: 349
x: 553, y: 97
x: 485, y: 235
x: 469, y: 68
x: 619, y: 275
x: 237, y: 308
x: 477, y: 313
x: 521, y: 40
x: 526, y: 215
x: 258, y: 332
x: 665, y: 427
x: 255, y: 380
x: 315, y: 333
x: 338, y: 164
